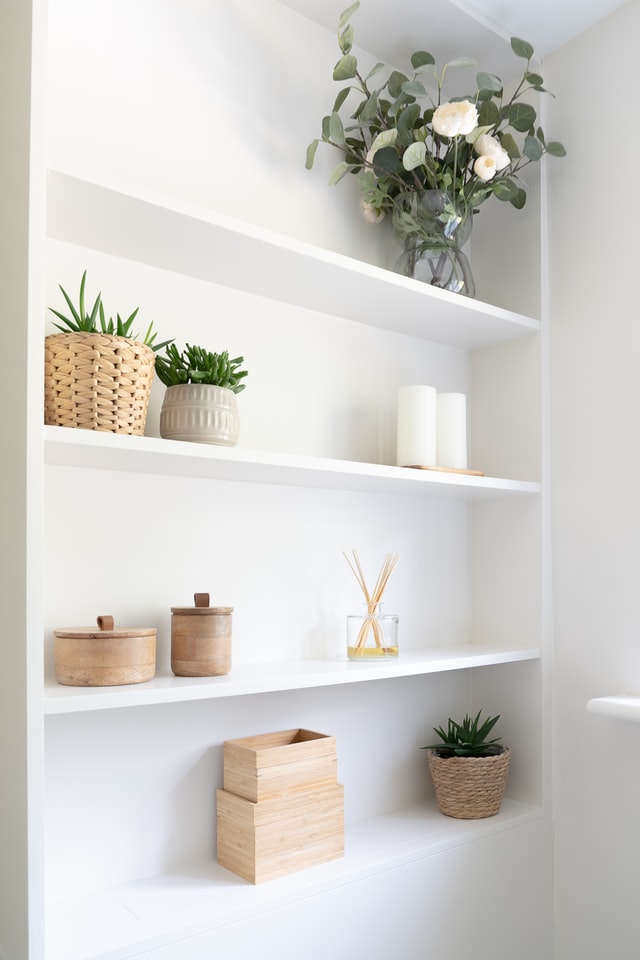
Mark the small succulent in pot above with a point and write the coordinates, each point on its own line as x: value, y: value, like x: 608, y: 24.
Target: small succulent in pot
x: 469, y: 770
x: 198, y: 365
x: 199, y: 403
x: 467, y: 739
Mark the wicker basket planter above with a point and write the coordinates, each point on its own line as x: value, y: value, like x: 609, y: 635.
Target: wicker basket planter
x: 469, y: 788
x: 95, y: 381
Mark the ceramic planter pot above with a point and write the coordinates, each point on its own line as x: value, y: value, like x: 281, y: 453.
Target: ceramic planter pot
x: 200, y: 413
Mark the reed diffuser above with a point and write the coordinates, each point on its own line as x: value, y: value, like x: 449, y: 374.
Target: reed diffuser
x: 373, y: 634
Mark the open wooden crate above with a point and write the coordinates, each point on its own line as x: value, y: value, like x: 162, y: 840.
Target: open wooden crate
x: 277, y: 764
x: 281, y: 808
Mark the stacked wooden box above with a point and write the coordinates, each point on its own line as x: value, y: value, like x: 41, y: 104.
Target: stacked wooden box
x: 281, y: 808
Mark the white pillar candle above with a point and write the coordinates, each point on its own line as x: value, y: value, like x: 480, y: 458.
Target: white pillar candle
x: 416, y: 442
x: 451, y: 430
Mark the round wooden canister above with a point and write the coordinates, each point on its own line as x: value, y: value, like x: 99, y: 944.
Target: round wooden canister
x: 201, y: 639
x: 86, y: 657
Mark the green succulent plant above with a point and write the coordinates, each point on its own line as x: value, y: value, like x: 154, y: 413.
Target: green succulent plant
x: 197, y: 365
x: 94, y: 320
x: 467, y: 739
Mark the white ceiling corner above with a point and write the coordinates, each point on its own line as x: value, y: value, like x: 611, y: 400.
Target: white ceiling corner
x: 444, y: 26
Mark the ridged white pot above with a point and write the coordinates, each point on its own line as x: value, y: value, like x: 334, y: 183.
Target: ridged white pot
x: 201, y: 413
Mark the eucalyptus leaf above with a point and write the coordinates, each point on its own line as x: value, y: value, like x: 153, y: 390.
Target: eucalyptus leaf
x: 488, y: 114
x: 407, y: 121
x: 378, y: 67
x: 461, y: 62
x: 532, y: 148
x: 521, y: 48
x: 340, y: 99
x: 421, y: 58
x: 394, y: 83
x: 336, y: 129
x: 385, y: 139
x: 490, y: 82
x: 346, y: 68
x: 414, y: 156
x: 505, y: 189
x: 509, y: 144
x: 346, y: 15
x: 339, y: 172
x: 345, y: 39
x: 370, y: 108
x: 556, y: 149
x: 413, y: 88
x: 522, y: 116
x: 386, y: 162
x: 311, y: 154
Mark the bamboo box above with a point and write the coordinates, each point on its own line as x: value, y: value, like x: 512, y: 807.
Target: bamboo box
x: 262, y: 841
x: 279, y: 764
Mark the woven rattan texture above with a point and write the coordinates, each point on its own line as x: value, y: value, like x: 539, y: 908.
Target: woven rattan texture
x: 469, y: 788
x: 94, y: 381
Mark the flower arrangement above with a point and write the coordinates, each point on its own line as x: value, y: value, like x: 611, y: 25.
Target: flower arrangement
x: 404, y: 137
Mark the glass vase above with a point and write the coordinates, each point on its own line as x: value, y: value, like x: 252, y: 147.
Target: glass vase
x: 372, y: 634
x: 432, y: 230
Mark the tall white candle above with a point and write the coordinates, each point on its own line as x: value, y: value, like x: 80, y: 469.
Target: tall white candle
x: 416, y: 444
x: 451, y: 430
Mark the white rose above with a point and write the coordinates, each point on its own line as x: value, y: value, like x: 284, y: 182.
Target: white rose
x: 488, y: 146
x: 485, y: 168
x: 455, y: 119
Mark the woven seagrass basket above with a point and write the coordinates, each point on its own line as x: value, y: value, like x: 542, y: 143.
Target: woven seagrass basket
x: 469, y: 788
x: 95, y: 381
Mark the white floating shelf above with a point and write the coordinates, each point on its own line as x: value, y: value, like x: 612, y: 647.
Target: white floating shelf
x: 155, y: 911
x: 162, y: 232
x: 105, y: 451
x: 256, y: 678
x: 620, y: 707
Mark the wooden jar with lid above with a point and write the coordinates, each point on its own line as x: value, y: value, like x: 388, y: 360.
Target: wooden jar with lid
x: 201, y: 639
x: 86, y: 657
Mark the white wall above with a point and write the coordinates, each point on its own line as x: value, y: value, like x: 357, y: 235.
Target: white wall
x: 184, y: 99
x: 595, y: 344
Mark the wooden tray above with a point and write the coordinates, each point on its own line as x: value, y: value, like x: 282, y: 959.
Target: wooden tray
x: 419, y: 466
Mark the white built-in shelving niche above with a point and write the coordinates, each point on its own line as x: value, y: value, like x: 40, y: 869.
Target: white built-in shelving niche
x: 125, y: 918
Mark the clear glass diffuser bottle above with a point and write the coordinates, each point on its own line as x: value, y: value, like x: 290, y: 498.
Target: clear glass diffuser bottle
x: 372, y: 634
